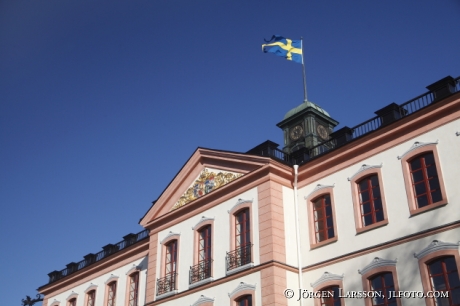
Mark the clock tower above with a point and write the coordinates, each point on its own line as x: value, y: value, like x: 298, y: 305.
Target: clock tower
x: 305, y: 126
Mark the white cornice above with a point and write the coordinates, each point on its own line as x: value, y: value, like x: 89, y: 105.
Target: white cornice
x: 417, y: 145
x: 170, y: 234
x: 91, y: 287
x: 203, y: 219
x: 239, y: 203
x: 318, y: 187
x: 377, y: 263
x: 111, y: 279
x: 242, y: 286
x: 203, y: 299
x: 325, y: 278
x: 72, y: 295
x: 363, y: 168
x: 434, y: 246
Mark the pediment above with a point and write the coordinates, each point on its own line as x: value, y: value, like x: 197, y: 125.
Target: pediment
x: 205, y: 172
x: 207, y: 181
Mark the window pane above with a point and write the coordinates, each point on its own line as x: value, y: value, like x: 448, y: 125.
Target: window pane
x: 435, y: 267
x: 436, y: 196
x: 415, y: 164
x: 422, y: 201
x: 379, y: 216
x: 363, y: 185
x: 367, y: 220
x: 366, y: 208
x: 374, y: 180
x: 429, y: 159
x: 330, y: 233
x: 420, y: 188
x: 364, y: 197
x: 438, y: 282
x: 450, y: 264
x: 417, y: 176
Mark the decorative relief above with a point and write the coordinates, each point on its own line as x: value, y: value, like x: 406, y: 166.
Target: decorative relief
x: 377, y: 262
x: 434, y: 246
x: 364, y: 167
x: 203, y: 219
x: 325, y: 278
x: 111, y: 279
x: 91, y: 287
x: 170, y: 234
x: 318, y: 187
x: 416, y: 145
x: 203, y: 299
x: 206, y: 182
x: 238, y: 203
x: 242, y: 286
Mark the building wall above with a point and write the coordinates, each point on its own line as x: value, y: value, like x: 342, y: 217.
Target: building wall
x: 100, y: 282
x: 400, y: 223
x: 220, y: 235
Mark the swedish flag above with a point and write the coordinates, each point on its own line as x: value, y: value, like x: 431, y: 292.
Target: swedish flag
x: 287, y: 48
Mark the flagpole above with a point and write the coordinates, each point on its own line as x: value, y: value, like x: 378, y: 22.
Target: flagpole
x: 303, y: 69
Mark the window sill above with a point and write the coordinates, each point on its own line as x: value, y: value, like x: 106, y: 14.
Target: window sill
x: 414, y: 212
x: 167, y: 294
x: 201, y: 282
x: 371, y: 227
x: 323, y: 243
x: 236, y: 270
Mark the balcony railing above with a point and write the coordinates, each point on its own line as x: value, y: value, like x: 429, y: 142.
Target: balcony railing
x: 200, y: 271
x: 387, y: 115
x: 239, y: 257
x: 166, y: 284
x: 90, y: 259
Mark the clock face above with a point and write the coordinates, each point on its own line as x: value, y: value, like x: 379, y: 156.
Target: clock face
x: 296, y: 132
x: 322, y: 132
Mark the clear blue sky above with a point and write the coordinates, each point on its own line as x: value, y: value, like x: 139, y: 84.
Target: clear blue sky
x: 102, y: 102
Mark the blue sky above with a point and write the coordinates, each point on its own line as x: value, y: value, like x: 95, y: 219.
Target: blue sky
x: 102, y: 102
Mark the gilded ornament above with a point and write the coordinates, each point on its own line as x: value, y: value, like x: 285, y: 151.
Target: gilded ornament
x: 206, y: 182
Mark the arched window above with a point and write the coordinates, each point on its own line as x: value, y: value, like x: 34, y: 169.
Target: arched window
x: 111, y: 293
x: 133, y: 289
x: 91, y: 298
x: 424, y: 180
x: 323, y: 218
x: 72, y: 302
x: 242, y: 228
x: 167, y: 284
x: 370, y: 200
x: 382, y: 284
x: 423, y: 177
x: 245, y: 300
x: 330, y: 296
x: 444, y: 277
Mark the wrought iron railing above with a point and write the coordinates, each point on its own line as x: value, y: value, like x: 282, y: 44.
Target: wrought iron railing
x: 397, y: 113
x: 239, y: 257
x: 166, y: 284
x: 93, y: 258
x: 200, y: 271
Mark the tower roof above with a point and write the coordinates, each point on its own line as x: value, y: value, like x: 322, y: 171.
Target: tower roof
x: 303, y: 106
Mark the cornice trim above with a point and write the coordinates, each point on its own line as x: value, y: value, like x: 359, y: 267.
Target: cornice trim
x: 377, y: 262
x: 91, y: 287
x: 203, y: 299
x: 201, y: 221
x: 417, y: 145
x: 111, y: 279
x: 239, y: 203
x: 325, y: 278
x: 169, y: 236
x: 364, y: 167
x: 434, y: 246
x: 71, y: 296
x: 242, y: 286
x: 319, y: 187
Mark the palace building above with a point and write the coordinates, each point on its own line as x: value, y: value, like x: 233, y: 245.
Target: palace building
x: 367, y: 215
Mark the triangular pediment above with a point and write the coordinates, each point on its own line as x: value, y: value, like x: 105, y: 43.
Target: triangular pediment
x: 205, y: 172
x: 208, y: 180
